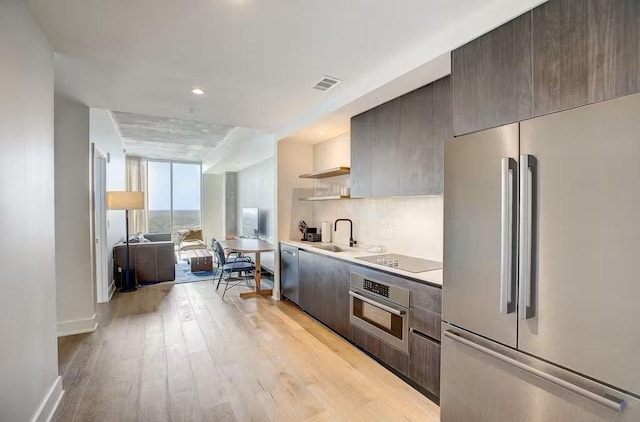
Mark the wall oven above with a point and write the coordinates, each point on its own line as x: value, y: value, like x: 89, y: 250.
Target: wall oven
x: 380, y: 309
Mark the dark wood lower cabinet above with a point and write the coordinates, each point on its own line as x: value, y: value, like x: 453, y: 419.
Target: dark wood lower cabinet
x: 381, y: 350
x: 424, y: 362
x: 324, y: 290
x: 426, y: 322
x: 324, y: 294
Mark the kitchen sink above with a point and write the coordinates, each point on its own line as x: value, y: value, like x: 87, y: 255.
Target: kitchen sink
x: 330, y: 248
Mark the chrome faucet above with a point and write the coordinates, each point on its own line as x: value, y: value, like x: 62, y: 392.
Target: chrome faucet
x: 335, y: 228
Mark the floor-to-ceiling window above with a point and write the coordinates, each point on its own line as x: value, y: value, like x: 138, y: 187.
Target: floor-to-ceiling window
x: 174, y: 196
x: 186, y: 196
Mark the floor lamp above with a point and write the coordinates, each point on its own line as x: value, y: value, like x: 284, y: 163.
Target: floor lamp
x: 123, y: 200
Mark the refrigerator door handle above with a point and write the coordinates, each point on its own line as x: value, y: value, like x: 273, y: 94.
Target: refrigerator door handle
x: 527, y: 236
x: 507, y: 233
x: 611, y: 403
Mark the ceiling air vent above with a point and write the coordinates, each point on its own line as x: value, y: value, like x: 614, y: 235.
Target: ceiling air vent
x: 326, y: 83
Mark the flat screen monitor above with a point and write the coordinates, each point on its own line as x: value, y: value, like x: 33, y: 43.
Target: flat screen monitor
x: 250, y: 222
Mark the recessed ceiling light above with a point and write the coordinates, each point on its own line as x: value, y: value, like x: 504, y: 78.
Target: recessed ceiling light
x: 321, y: 132
x: 197, y: 91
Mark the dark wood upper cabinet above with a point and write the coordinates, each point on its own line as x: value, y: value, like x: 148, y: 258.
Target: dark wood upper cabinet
x: 387, y: 149
x: 441, y: 130
x: 397, y: 147
x: 361, y: 156
x: 492, y: 78
x: 584, y: 51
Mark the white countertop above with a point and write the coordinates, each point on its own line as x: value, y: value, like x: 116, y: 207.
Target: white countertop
x: 350, y: 255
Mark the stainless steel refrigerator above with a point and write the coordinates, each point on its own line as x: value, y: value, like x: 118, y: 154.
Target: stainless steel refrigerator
x: 541, y: 295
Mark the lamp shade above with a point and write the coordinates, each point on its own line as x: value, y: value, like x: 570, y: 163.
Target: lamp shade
x: 124, y: 200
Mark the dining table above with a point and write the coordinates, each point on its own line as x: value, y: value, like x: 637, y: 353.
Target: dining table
x: 255, y: 246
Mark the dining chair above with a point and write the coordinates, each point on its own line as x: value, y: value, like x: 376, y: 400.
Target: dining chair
x: 232, y: 264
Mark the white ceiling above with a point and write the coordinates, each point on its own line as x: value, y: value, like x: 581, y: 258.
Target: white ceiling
x: 168, y: 138
x: 256, y: 59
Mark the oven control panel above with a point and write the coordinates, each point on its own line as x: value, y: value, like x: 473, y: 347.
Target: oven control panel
x: 377, y: 288
x: 390, y: 292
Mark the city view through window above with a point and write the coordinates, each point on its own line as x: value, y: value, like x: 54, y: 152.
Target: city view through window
x: 173, y: 196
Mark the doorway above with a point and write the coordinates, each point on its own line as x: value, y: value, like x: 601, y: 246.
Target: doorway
x: 100, y: 226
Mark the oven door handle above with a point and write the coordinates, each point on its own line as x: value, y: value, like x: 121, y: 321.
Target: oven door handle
x: 372, y: 302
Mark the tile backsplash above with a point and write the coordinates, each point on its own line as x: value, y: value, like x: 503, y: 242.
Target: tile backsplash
x: 408, y: 225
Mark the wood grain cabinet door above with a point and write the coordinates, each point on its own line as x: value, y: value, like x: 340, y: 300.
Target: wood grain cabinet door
x: 424, y: 362
x: 584, y: 52
x: 324, y: 290
x: 441, y: 130
x: 408, y: 141
x: 414, y: 143
x: 308, y: 284
x: 361, y: 156
x: 491, y: 78
x: 386, y: 149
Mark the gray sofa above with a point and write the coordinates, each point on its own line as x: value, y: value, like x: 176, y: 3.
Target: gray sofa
x: 153, y: 261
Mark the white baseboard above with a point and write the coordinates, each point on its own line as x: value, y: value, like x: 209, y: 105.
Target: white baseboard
x: 49, y: 403
x: 78, y: 326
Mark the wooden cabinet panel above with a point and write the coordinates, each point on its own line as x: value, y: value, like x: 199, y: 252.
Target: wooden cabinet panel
x: 415, y: 143
x: 426, y: 322
x: 584, y: 52
x: 381, y: 350
x: 361, y: 156
x: 492, y: 78
x: 441, y: 130
x: 424, y: 362
x: 336, y: 276
x: 324, y: 290
x: 387, y: 149
x: 426, y: 297
x: 308, y: 283
x: 399, y: 144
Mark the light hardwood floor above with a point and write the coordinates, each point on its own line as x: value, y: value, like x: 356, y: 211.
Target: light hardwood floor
x: 179, y: 353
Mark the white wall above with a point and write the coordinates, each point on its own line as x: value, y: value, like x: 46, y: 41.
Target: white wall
x: 409, y: 225
x: 333, y: 152
x: 293, y: 159
x: 29, y: 386
x: 74, y: 273
x: 104, y: 133
x: 212, y: 207
x: 256, y: 190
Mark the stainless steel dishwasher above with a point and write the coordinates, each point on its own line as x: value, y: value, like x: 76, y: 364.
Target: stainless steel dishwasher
x: 289, y: 273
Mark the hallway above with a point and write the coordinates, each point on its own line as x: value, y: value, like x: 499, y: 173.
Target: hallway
x: 179, y: 353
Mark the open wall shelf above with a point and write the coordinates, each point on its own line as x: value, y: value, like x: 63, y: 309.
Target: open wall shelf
x: 323, y: 174
x: 325, y: 198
